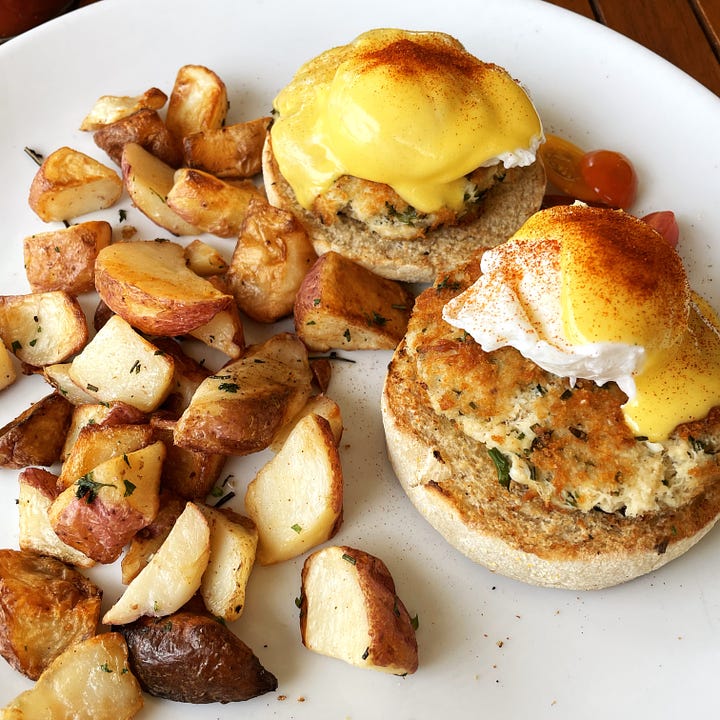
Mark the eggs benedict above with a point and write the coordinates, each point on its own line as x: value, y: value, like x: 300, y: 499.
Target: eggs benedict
x: 554, y: 408
x: 404, y: 152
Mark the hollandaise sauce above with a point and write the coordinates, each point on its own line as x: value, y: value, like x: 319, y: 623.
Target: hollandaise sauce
x: 412, y: 110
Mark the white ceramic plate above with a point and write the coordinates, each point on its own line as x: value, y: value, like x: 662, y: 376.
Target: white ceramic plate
x: 489, y: 647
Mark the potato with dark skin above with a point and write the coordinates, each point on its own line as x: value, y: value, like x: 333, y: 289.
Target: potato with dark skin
x: 45, y: 606
x: 191, y: 657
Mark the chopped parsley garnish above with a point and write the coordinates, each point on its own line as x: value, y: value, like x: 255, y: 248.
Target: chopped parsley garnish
x: 502, y: 465
x: 88, y: 488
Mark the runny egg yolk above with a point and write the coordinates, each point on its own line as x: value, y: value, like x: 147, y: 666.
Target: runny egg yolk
x: 412, y: 110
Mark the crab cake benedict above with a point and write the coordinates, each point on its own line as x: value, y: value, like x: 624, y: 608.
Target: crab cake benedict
x: 404, y: 152
x: 554, y: 408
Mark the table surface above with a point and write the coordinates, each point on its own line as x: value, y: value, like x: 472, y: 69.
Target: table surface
x: 685, y: 32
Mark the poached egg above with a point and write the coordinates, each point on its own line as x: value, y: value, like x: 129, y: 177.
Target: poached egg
x: 413, y: 110
x: 598, y: 294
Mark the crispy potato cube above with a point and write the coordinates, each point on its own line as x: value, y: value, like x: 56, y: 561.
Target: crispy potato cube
x: 341, y: 304
x: 172, y: 576
x: 69, y: 184
x: 97, y: 443
x: 296, y: 498
x: 42, y: 328
x: 147, y: 129
x: 233, y: 543
x: 45, y: 606
x: 119, y: 365
x: 198, y: 101
x: 224, y: 332
x: 232, y: 151
x: 37, y: 491
x: 37, y: 435
x: 321, y: 405
x: 111, y: 108
x: 272, y: 256
x: 64, y: 259
x: 149, y: 284
x: 148, y: 180
x: 239, y: 409
x: 58, y: 375
x: 191, y: 657
x: 100, y: 512
x: 89, y: 681
x: 350, y: 610
x: 8, y: 375
x: 209, y: 203
x: 148, y: 540
x: 204, y: 260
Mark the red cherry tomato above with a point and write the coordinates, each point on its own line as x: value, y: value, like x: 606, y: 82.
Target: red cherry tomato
x: 665, y: 223
x: 611, y: 176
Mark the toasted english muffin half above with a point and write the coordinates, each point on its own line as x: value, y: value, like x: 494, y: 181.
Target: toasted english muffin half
x: 504, y: 207
x: 435, y: 402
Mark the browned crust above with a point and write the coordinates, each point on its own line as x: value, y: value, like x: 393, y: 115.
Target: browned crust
x: 506, y: 206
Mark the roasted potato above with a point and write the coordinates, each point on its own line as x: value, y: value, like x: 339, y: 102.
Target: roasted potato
x: 233, y: 543
x: 111, y: 108
x: 198, y: 101
x: 45, y: 606
x: 149, y: 284
x: 341, y: 304
x: 37, y: 435
x: 64, y: 259
x: 37, y: 490
x: 240, y: 409
x: 100, y: 512
x: 296, y: 499
x: 173, y: 574
x: 58, y: 375
x: 204, y: 260
x: 119, y: 365
x: 148, y: 180
x: 8, y: 375
x: 91, y: 680
x: 209, y: 203
x: 147, y: 129
x: 225, y: 332
x: 232, y: 151
x: 349, y: 610
x: 69, y: 184
x: 272, y: 256
x: 317, y: 405
x: 191, y: 657
x: 42, y: 328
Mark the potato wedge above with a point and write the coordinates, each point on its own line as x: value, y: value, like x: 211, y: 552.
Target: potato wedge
x: 37, y: 435
x: 209, y: 203
x: 91, y: 680
x: 100, y: 512
x: 172, y: 576
x: 97, y: 443
x: 111, y: 108
x: 224, y: 332
x: 45, y: 606
x: 271, y: 258
x: 296, y: 498
x: 58, y: 375
x: 8, y: 374
x: 232, y: 151
x: 321, y: 405
x: 341, y: 304
x: 204, y: 260
x: 149, y: 284
x: 119, y: 365
x: 148, y: 180
x: 69, y: 184
x: 233, y: 544
x: 64, y: 259
x: 147, y: 129
x: 42, y: 328
x: 37, y: 491
x: 148, y: 540
x: 191, y: 657
x: 198, y: 101
x: 240, y: 409
x: 349, y: 610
